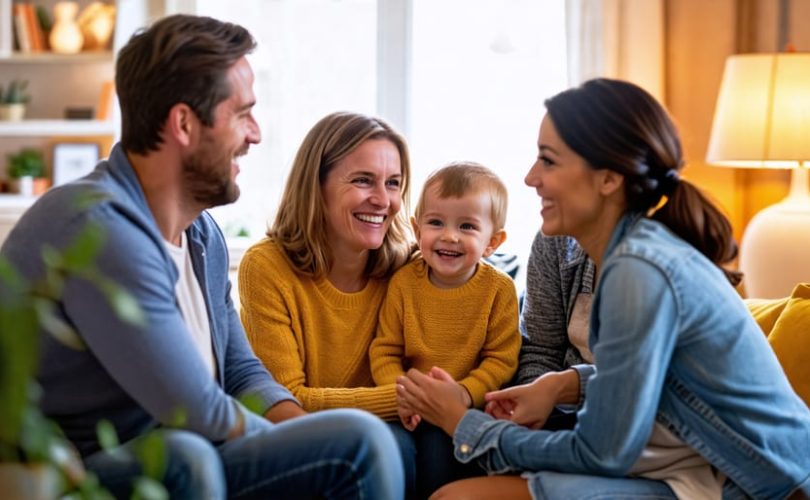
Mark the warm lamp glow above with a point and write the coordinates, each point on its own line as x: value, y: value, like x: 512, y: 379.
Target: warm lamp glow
x: 762, y: 120
x: 762, y: 117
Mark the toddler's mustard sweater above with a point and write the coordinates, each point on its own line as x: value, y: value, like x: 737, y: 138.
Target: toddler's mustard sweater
x: 470, y: 331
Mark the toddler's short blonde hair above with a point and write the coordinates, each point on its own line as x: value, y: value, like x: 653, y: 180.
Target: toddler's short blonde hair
x: 458, y: 179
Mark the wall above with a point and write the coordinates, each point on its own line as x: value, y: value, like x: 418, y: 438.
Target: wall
x: 700, y: 35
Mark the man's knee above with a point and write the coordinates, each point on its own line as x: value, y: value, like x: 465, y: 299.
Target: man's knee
x: 193, y: 466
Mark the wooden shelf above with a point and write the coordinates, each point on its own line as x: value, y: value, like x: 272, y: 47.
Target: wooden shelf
x: 15, y: 202
x: 53, y: 58
x: 42, y: 128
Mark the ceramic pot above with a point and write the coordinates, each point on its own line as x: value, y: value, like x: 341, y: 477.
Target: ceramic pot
x: 66, y: 36
x: 28, y: 482
x: 22, y: 185
x: 12, y: 112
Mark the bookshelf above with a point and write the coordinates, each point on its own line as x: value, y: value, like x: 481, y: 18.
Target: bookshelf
x: 57, y: 82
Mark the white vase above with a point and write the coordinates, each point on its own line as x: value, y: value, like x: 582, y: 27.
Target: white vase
x: 23, y: 185
x: 66, y: 36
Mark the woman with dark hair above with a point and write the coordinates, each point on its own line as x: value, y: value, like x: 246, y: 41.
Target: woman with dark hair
x: 685, y: 397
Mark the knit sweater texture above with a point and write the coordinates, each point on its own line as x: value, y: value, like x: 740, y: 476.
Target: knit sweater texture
x: 470, y: 331
x: 313, y: 337
x: 558, y: 271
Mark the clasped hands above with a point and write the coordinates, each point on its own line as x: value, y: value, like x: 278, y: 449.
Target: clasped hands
x: 442, y: 401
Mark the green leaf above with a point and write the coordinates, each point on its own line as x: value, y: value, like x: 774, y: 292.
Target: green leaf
x: 107, y: 437
x: 84, y: 249
x: 88, y: 198
x: 146, y: 488
x: 151, y: 451
x: 52, y: 323
x: 18, y: 357
x: 11, y: 280
x: 51, y: 257
x: 179, y: 418
x: 252, y: 402
x: 123, y: 303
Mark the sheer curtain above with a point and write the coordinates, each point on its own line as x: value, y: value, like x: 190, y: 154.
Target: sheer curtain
x: 616, y: 39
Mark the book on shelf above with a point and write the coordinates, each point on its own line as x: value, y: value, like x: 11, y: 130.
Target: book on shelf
x: 21, y: 29
x: 28, y: 30
x: 106, y: 101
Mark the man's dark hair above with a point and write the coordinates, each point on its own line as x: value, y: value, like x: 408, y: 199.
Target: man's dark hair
x: 179, y: 59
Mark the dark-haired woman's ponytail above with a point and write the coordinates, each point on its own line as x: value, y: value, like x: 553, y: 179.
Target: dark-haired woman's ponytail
x: 695, y: 219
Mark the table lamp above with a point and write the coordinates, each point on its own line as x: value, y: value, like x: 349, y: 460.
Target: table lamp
x: 762, y: 120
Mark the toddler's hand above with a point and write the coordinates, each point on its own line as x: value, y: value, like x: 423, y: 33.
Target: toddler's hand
x: 409, y: 419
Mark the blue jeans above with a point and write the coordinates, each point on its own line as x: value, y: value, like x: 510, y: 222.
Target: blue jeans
x: 428, y: 461
x: 549, y: 485
x: 331, y: 454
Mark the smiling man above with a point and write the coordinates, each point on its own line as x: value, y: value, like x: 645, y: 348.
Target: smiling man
x: 185, y: 89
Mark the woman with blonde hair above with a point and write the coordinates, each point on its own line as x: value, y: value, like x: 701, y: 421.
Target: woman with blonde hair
x: 311, y: 291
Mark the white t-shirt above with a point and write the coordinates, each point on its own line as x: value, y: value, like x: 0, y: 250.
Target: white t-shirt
x: 578, y: 325
x: 191, y: 302
x: 667, y: 458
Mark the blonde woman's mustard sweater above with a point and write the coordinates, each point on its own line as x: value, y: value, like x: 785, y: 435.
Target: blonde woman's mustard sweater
x: 312, y: 337
x: 470, y: 331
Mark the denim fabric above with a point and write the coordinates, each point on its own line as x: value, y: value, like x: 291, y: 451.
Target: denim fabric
x: 331, y: 454
x: 427, y: 457
x: 673, y: 343
x: 193, y: 467
x: 549, y: 485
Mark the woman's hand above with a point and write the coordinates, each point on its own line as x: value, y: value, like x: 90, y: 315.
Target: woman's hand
x: 531, y: 404
x: 436, y: 397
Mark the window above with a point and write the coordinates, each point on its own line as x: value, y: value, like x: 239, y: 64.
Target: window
x: 475, y: 75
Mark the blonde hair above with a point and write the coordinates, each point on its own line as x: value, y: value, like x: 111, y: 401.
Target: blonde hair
x: 458, y: 179
x: 300, y: 225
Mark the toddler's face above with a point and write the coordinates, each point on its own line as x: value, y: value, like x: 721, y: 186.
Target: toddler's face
x: 454, y: 234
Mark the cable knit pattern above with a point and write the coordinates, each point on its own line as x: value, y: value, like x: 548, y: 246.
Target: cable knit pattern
x: 470, y: 331
x: 312, y: 337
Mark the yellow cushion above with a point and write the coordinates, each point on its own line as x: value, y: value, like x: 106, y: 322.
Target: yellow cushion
x: 786, y: 322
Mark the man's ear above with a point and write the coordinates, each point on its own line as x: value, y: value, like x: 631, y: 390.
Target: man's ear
x: 415, y: 227
x: 496, y: 240
x: 611, y: 182
x: 181, y: 124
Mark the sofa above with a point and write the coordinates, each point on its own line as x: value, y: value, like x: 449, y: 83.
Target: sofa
x: 786, y: 323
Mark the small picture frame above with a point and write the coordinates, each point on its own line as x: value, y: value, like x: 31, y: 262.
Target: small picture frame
x: 73, y: 160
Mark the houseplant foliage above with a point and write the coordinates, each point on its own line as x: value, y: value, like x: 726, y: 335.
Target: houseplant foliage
x: 26, y: 309
x: 28, y: 162
x: 26, y: 172
x: 13, y: 99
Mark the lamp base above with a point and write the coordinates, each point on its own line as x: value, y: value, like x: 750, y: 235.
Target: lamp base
x: 775, y: 249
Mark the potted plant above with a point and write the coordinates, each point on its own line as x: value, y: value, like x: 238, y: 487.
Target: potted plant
x: 36, y: 460
x: 13, y: 100
x: 26, y: 171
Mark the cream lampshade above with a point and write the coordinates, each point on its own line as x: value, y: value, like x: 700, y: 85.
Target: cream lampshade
x: 762, y: 120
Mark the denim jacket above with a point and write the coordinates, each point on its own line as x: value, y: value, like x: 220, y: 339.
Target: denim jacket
x: 673, y: 343
x: 136, y: 377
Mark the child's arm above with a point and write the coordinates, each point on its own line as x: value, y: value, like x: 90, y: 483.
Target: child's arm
x: 499, y: 355
x: 388, y: 346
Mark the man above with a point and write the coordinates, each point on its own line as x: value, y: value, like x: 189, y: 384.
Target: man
x: 185, y: 90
